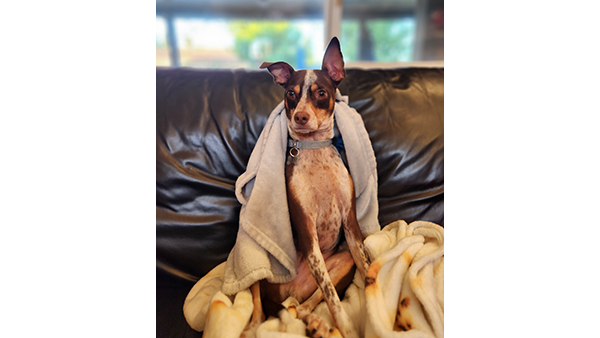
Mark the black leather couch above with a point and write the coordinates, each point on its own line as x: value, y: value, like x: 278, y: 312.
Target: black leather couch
x: 207, y: 123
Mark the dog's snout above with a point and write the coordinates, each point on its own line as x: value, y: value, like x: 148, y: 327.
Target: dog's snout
x: 301, y: 118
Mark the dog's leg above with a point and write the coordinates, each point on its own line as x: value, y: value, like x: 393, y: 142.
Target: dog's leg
x: 257, y: 313
x: 317, y: 267
x: 355, y: 239
x: 341, y: 271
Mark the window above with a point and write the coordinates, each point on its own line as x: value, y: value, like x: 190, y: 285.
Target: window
x: 387, y: 40
x: 235, y: 43
x: 244, y: 33
x: 162, y: 50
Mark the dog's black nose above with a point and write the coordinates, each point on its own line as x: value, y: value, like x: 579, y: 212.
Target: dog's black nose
x: 301, y: 118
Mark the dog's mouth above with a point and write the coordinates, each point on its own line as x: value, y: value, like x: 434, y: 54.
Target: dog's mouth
x: 303, y: 129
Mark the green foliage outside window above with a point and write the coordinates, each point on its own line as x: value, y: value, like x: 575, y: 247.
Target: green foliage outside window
x: 392, y: 39
x: 258, y: 41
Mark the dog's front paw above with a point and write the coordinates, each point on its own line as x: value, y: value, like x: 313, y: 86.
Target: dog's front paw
x: 317, y: 327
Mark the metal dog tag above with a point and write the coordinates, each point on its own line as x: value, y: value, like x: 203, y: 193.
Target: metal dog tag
x: 293, y: 155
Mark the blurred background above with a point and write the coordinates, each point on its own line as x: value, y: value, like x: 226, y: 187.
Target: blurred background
x: 244, y: 33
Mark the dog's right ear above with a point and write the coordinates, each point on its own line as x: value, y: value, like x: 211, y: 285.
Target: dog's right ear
x: 281, y: 71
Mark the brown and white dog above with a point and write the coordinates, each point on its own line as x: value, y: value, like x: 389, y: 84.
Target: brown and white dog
x: 321, y: 199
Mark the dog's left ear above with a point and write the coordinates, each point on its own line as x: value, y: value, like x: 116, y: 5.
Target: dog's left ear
x: 333, y: 61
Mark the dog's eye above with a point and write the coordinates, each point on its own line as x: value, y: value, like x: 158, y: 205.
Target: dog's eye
x: 322, y: 93
x: 291, y: 94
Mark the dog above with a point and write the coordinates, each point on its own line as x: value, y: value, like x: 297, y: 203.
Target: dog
x: 321, y: 200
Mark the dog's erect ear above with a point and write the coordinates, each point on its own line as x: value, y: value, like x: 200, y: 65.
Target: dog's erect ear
x: 333, y: 61
x: 281, y: 71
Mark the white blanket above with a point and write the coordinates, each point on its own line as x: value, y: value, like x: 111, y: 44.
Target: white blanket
x: 264, y: 246
x: 404, y: 298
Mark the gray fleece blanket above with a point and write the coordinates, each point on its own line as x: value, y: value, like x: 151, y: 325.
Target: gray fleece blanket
x: 264, y: 247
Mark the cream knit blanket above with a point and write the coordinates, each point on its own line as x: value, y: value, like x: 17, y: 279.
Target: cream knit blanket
x: 404, y: 298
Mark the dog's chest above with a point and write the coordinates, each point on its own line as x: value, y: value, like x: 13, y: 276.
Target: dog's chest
x: 322, y: 186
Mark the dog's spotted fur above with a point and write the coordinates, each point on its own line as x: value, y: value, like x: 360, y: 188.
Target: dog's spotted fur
x: 321, y: 196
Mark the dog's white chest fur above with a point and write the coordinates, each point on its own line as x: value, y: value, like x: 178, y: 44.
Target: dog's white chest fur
x: 323, y: 188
